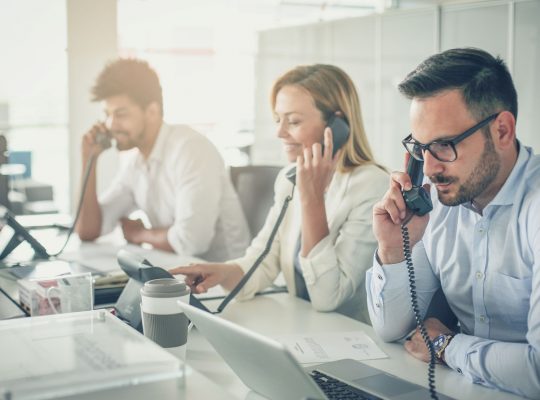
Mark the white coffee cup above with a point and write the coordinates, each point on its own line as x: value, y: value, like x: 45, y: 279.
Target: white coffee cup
x: 163, y: 321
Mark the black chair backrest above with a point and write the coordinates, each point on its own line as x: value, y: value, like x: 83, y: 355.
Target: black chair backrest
x: 254, y: 185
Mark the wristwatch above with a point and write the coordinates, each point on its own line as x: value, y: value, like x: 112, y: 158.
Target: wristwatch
x: 440, y: 343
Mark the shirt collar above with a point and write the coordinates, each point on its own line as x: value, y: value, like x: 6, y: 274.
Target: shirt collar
x: 158, y: 150
x: 506, y: 194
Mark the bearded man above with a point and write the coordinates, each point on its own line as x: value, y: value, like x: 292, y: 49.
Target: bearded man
x: 481, y: 243
x: 172, y: 173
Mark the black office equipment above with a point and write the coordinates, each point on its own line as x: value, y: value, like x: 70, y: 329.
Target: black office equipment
x: 20, y: 234
x: 417, y: 199
x: 8, y: 308
x: 139, y: 270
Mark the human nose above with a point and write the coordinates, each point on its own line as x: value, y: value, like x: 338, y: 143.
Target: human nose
x: 113, y: 123
x: 282, y: 131
x: 432, y: 166
x: 109, y: 121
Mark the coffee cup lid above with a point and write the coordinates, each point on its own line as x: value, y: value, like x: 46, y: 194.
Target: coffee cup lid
x: 165, y: 287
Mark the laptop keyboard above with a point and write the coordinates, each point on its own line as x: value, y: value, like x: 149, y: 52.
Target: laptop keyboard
x: 337, y: 390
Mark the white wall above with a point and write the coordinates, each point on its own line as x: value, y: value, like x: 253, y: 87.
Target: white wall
x: 91, y: 43
x: 378, y: 51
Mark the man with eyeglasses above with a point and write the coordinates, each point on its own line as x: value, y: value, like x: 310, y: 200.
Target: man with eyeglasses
x: 481, y: 242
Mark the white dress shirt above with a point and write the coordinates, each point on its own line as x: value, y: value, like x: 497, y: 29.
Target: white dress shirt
x: 183, y: 186
x: 334, y: 270
x: 488, y: 266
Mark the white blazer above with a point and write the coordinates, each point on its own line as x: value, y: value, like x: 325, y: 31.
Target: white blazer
x: 335, y: 268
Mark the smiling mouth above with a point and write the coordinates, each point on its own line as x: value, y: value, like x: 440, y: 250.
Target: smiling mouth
x: 290, y: 146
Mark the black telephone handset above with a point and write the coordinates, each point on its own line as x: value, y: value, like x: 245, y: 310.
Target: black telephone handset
x: 417, y: 199
x: 103, y: 140
x: 419, y: 202
x: 340, y: 134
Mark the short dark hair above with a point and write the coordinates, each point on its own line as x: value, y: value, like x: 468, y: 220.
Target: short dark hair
x: 484, y: 81
x: 131, y: 77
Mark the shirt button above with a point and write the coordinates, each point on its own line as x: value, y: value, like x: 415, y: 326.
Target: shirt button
x: 479, y: 275
x: 482, y: 318
x: 377, y: 305
x: 459, y: 370
x: 379, y: 276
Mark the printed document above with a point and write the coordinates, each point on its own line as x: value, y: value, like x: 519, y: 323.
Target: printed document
x: 331, y: 346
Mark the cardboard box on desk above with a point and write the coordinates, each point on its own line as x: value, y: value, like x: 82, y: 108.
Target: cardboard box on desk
x: 32, y: 297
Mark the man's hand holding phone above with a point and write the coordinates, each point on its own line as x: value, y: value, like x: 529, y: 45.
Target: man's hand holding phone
x: 388, y: 216
x: 96, y: 140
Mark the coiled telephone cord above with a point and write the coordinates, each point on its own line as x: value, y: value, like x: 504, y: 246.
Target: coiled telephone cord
x: 414, y: 303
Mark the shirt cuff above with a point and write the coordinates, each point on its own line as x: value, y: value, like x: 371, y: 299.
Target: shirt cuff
x: 175, y: 243
x: 389, y: 276
x: 321, y: 259
x: 455, y: 354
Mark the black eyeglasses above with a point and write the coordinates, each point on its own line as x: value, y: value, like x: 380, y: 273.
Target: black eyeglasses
x: 442, y: 150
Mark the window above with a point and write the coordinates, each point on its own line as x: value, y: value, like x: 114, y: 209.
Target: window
x: 33, y: 88
x: 204, y: 54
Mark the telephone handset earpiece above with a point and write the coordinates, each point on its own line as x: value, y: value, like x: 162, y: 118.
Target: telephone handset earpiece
x: 340, y: 134
x: 417, y: 199
x: 103, y: 140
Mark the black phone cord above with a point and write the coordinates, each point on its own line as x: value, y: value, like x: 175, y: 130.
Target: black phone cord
x: 259, y: 259
x: 79, y: 205
x: 414, y: 304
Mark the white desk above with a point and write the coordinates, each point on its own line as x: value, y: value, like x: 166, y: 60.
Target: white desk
x: 278, y: 314
x: 197, y: 387
x: 273, y: 315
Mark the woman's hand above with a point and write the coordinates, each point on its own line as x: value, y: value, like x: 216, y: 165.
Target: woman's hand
x: 314, y: 170
x: 201, y: 277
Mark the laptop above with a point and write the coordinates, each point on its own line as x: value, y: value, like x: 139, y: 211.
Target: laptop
x: 268, y: 368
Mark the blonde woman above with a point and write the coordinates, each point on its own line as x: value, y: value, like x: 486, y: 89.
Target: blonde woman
x: 325, y: 242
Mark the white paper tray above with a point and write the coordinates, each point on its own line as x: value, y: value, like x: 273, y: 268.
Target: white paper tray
x: 60, y: 355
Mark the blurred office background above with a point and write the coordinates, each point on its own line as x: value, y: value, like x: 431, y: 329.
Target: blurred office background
x: 217, y: 60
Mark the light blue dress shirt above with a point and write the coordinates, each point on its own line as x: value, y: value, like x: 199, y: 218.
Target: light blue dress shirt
x: 489, y: 268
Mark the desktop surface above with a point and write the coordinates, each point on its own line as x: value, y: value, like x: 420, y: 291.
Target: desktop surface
x: 279, y: 314
x: 273, y: 316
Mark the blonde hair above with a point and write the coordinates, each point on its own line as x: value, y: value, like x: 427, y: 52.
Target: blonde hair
x: 332, y: 91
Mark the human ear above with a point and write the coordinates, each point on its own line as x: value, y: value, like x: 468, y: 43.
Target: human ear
x: 153, y: 110
x: 504, y: 130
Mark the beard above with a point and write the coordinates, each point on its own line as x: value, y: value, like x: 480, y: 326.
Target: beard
x: 125, y: 141
x: 482, y: 175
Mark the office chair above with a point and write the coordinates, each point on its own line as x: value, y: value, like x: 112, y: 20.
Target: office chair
x: 254, y: 185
